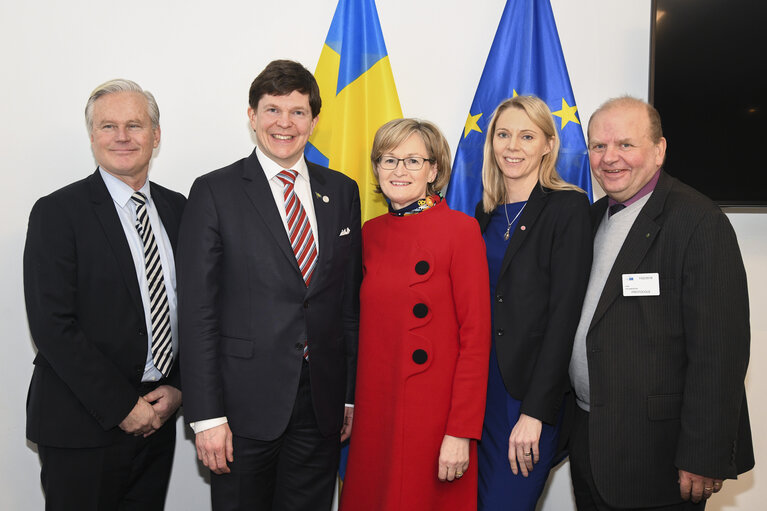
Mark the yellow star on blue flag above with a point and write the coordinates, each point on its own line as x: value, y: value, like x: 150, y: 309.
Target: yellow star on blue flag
x: 525, y: 58
x: 471, y: 124
x: 567, y: 114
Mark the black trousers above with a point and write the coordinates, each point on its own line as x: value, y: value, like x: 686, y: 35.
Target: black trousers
x: 132, y: 474
x: 587, y: 496
x: 295, y: 472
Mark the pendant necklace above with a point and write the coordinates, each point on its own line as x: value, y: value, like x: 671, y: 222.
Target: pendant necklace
x: 508, y: 227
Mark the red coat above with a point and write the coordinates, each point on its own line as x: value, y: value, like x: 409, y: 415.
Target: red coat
x: 422, y: 363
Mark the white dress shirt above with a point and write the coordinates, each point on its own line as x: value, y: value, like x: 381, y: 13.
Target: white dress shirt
x: 303, y: 191
x: 121, y: 194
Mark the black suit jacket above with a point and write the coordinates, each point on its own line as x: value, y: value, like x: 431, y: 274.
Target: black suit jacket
x: 245, y: 310
x: 666, y: 372
x: 85, y: 314
x: 539, y: 295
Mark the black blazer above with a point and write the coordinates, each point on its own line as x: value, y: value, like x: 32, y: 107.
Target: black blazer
x: 539, y: 296
x: 666, y: 372
x: 245, y: 310
x: 85, y: 314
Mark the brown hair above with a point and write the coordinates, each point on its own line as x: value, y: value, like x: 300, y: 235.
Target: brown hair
x: 280, y: 78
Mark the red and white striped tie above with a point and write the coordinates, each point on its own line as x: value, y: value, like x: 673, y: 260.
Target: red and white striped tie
x: 300, y: 230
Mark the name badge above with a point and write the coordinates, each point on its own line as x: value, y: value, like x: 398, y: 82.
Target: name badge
x: 641, y: 284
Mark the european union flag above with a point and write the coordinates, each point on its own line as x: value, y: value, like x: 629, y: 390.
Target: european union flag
x: 358, y: 97
x: 525, y: 58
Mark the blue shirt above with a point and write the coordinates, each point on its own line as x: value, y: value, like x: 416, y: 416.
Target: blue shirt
x: 126, y: 210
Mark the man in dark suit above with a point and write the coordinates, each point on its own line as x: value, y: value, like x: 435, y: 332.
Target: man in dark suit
x: 662, y: 347
x: 269, y: 279
x: 99, y: 282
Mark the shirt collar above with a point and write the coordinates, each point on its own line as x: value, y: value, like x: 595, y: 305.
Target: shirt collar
x: 646, y: 189
x: 271, y: 168
x: 119, y: 190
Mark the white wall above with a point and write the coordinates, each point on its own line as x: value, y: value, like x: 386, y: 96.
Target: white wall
x: 199, y: 58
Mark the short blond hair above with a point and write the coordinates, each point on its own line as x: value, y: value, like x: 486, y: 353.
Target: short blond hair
x: 121, y: 85
x: 395, y: 132
x: 653, y: 116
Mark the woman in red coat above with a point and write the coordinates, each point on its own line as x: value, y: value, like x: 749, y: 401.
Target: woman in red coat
x: 424, y: 336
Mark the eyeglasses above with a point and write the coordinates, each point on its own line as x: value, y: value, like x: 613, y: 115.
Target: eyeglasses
x: 411, y: 162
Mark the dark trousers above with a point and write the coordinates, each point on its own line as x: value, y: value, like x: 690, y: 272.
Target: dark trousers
x: 131, y: 474
x: 587, y: 496
x: 295, y: 472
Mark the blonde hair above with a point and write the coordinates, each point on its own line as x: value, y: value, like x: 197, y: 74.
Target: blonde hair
x: 395, y: 132
x: 493, y: 185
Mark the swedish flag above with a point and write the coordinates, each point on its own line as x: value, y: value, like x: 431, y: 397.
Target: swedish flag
x: 525, y: 58
x: 358, y: 96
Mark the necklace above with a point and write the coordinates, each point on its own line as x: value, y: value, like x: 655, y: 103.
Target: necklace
x: 508, y: 227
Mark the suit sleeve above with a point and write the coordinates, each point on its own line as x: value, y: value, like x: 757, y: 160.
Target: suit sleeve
x: 351, y: 298
x: 571, y: 253
x: 198, y: 267
x: 471, y: 292
x: 717, y: 336
x: 51, y: 293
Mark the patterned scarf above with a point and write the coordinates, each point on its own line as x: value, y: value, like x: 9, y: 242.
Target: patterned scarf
x: 417, y: 207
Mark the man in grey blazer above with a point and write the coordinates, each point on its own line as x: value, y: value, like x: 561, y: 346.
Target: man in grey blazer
x: 662, y: 347
x: 269, y: 274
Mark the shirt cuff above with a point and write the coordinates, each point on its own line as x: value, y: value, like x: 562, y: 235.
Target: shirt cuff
x: 349, y: 405
x: 200, y: 426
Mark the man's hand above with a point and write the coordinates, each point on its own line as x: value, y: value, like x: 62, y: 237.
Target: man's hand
x: 214, y: 448
x: 694, y: 487
x: 165, y: 400
x: 346, y: 429
x: 523, y: 444
x: 142, y: 420
x: 453, y: 458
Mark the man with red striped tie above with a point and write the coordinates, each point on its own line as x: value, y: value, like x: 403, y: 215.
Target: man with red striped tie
x: 269, y: 273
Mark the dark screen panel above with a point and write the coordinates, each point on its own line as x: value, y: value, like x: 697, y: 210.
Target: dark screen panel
x: 709, y: 83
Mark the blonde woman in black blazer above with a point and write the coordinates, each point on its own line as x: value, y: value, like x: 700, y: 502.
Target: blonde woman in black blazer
x: 538, y: 237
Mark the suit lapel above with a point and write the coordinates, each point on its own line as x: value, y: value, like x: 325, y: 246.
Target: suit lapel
x: 168, y: 216
x: 260, y: 194
x: 104, y: 208
x: 324, y: 208
x: 638, y: 241
x: 597, y: 214
x: 527, y: 219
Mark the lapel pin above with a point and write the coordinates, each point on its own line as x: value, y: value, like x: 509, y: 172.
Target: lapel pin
x: 522, y: 228
x: 325, y: 199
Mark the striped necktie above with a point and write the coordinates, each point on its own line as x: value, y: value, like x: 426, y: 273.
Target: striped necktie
x: 299, y: 228
x: 162, y: 354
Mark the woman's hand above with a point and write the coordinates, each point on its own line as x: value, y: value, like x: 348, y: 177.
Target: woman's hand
x: 453, y: 458
x: 523, y: 444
